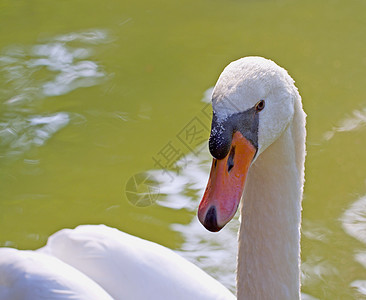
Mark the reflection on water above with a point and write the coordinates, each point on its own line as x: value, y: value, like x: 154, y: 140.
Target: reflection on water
x: 313, y: 231
x: 316, y: 269
x: 183, y: 188
x: 72, y: 74
x: 360, y: 285
x: 356, y: 121
x: 19, y: 134
x: 60, y: 63
x: 52, y: 68
x: 354, y: 223
x: 354, y: 220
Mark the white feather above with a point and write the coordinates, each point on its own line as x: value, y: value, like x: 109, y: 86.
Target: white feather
x: 128, y: 267
x: 30, y: 275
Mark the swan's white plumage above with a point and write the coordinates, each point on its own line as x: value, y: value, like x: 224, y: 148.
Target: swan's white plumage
x: 77, y: 263
x: 269, y: 235
x: 248, y: 80
x: 128, y: 267
x: 31, y: 275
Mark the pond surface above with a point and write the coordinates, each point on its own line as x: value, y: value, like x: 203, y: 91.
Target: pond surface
x: 94, y: 92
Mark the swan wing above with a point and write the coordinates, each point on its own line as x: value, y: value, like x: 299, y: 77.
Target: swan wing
x: 33, y: 276
x: 128, y: 267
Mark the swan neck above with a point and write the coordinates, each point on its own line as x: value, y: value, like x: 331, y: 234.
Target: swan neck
x: 269, y: 235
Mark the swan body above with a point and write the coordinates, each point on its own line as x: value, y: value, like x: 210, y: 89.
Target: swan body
x: 31, y: 275
x: 258, y: 146
x: 99, y: 262
x: 128, y: 267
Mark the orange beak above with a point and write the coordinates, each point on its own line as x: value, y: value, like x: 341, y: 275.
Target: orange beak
x: 226, y: 184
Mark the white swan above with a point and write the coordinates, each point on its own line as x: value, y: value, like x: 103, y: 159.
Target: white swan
x: 257, y: 136
x: 105, y: 260
x: 258, y: 130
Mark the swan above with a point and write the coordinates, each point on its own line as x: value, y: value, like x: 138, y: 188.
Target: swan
x: 257, y: 142
x: 100, y: 262
x: 258, y: 146
x: 32, y: 275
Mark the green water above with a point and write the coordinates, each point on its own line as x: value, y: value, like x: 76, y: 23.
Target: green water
x: 92, y: 91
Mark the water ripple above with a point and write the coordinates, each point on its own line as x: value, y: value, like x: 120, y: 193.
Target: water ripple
x: 354, y: 122
x: 354, y: 223
x: 18, y: 135
x: 354, y: 220
x: 183, y: 188
x: 53, y: 67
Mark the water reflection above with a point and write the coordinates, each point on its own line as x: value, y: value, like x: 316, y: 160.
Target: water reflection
x: 184, y: 187
x: 354, y: 220
x: 354, y: 122
x: 360, y: 285
x: 354, y: 223
x: 316, y: 269
x: 55, y: 67
x: 18, y: 134
x: 315, y: 231
x: 52, y: 68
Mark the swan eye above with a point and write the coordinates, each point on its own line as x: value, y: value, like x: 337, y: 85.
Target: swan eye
x: 260, y: 105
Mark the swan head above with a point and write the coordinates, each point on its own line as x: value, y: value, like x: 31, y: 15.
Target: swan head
x: 253, y: 104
